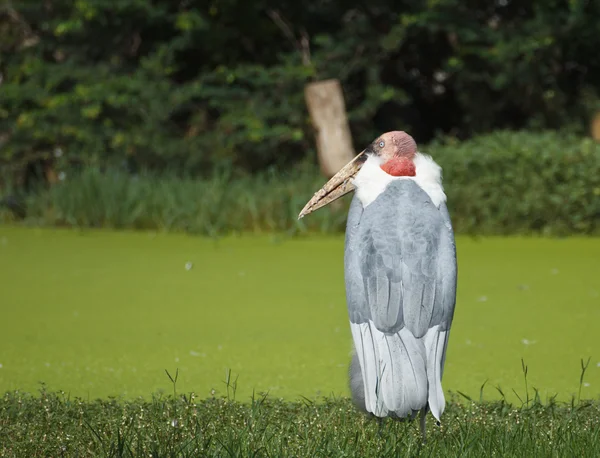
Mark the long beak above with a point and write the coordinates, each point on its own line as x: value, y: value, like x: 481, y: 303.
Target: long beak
x: 339, y: 185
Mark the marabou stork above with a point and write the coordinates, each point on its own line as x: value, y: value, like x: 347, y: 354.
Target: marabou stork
x: 400, y: 275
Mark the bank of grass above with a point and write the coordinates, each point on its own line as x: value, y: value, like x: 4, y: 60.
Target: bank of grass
x: 497, y: 184
x: 222, y: 203
x: 53, y: 424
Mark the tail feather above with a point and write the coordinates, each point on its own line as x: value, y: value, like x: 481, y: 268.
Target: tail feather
x: 393, y: 367
x: 366, y: 350
x: 435, y: 344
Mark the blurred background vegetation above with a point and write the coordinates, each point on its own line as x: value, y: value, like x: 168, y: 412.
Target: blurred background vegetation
x: 185, y: 115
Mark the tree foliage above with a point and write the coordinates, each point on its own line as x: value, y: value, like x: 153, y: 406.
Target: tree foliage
x: 192, y: 84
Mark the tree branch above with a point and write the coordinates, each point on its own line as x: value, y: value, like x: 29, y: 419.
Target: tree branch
x: 302, y: 44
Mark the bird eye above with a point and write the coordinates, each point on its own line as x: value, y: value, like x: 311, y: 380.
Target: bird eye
x: 381, y: 144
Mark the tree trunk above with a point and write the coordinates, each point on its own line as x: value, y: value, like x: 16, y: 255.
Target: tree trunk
x: 325, y: 102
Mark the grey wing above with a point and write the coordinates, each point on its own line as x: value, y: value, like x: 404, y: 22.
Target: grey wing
x: 447, y: 273
x: 358, y: 309
x: 400, y: 263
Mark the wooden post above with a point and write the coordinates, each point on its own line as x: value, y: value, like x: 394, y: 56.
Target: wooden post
x: 325, y: 102
x: 595, y: 127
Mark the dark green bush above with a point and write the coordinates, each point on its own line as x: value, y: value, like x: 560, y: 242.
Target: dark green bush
x: 195, y: 84
x: 502, y: 183
x: 519, y: 182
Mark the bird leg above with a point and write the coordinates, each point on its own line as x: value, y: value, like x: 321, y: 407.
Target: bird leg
x: 423, y: 424
x: 380, y: 426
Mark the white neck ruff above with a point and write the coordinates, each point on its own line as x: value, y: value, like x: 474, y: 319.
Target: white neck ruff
x: 371, y: 180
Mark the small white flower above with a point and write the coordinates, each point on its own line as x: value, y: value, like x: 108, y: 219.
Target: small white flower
x: 1, y: 366
x: 174, y: 423
x: 58, y: 152
x: 482, y: 299
x: 586, y: 384
x: 188, y: 265
x: 62, y: 176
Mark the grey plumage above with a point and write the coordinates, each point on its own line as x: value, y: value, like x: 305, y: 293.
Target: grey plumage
x: 400, y: 273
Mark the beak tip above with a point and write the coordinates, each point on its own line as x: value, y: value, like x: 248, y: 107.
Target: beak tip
x: 337, y: 186
x: 308, y: 208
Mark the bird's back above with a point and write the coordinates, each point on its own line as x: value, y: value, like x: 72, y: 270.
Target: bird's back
x: 400, y: 272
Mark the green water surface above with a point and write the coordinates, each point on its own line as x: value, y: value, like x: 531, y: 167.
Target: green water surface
x: 101, y: 313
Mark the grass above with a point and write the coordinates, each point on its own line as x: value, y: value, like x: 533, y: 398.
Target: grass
x: 267, y: 202
x: 100, y: 313
x: 54, y: 424
x: 502, y: 183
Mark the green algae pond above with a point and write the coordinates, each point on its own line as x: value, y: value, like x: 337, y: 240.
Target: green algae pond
x: 101, y: 313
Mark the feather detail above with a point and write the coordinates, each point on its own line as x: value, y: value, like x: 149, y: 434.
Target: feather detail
x: 393, y: 370
x: 371, y: 180
x: 435, y: 345
x: 429, y: 178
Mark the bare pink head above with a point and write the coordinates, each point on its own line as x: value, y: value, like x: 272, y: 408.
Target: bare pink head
x: 397, y: 150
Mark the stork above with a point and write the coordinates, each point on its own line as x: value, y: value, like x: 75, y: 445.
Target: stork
x: 400, y: 275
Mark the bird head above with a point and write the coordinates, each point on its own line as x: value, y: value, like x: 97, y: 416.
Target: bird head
x: 395, y: 151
